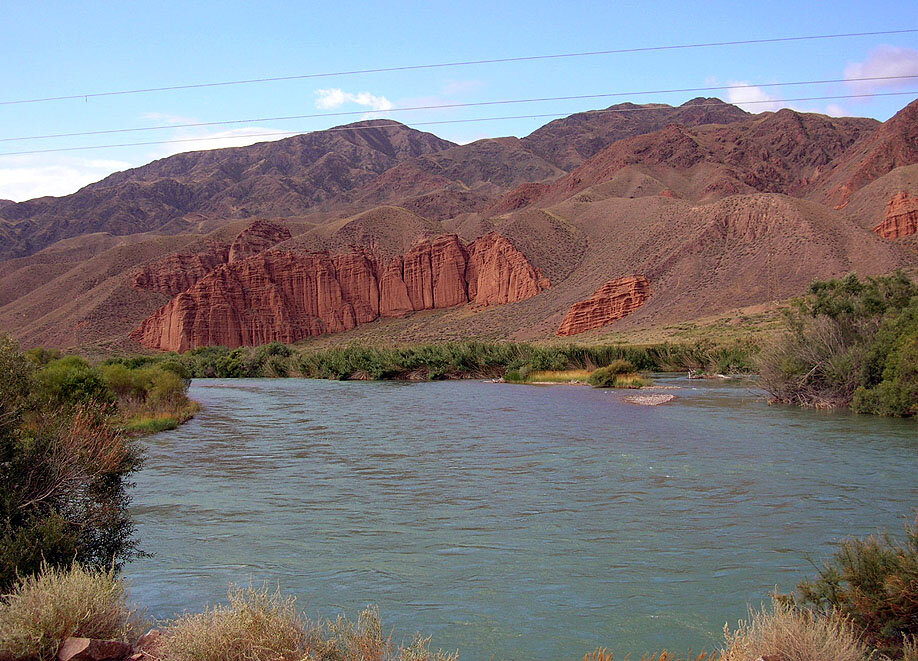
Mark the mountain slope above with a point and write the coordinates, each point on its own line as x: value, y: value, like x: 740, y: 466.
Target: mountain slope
x: 281, y: 178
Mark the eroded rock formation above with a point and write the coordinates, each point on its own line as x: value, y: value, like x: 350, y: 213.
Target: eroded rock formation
x: 614, y: 300
x: 285, y: 296
x: 178, y: 272
x: 901, y: 217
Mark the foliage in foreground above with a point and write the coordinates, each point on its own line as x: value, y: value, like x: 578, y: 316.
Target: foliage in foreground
x: 862, y: 608
x: 43, y: 610
x: 874, y: 583
x: 791, y: 634
x: 261, y: 625
x: 849, y: 343
x: 65, y: 456
x: 64, y: 466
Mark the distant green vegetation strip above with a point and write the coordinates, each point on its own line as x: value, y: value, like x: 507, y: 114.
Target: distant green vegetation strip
x: 453, y: 360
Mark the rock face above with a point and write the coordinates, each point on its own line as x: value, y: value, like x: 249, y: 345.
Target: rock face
x: 901, y: 217
x: 256, y: 238
x: 498, y: 273
x: 614, y: 300
x: 178, y: 272
x: 285, y: 296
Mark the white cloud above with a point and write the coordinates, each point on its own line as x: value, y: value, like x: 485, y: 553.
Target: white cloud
x: 198, y: 140
x: 835, y: 110
x: 25, y: 177
x: 752, y: 98
x: 328, y: 99
x: 884, y: 61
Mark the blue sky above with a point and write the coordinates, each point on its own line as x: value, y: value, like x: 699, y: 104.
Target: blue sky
x: 61, y: 48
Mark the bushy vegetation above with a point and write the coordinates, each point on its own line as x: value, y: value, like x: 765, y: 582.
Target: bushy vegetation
x: 872, y: 582
x: 63, y: 468
x: 66, y: 454
x: 849, y: 342
x: 43, y: 610
x: 514, y: 361
x: 791, y: 634
x: 452, y: 360
x: 618, y: 374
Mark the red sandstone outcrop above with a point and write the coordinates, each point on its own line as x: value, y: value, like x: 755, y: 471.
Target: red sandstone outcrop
x: 901, y: 217
x: 498, y: 273
x: 178, y: 272
x: 614, y: 300
x: 257, y: 237
x: 286, y: 296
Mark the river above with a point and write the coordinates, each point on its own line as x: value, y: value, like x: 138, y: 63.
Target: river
x: 510, y: 521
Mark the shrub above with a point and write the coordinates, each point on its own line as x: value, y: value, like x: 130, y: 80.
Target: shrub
x: 617, y: 374
x: 874, y: 582
x: 344, y: 639
x: 71, y: 380
x: 257, y: 625
x: 419, y: 650
x: 45, y: 609
x: 62, y: 476
x: 166, y: 388
x: 41, y: 356
x: 849, y: 342
x: 793, y: 635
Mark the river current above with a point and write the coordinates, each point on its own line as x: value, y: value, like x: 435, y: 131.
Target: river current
x: 510, y: 521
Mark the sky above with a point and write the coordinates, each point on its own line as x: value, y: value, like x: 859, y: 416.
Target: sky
x: 65, y: 48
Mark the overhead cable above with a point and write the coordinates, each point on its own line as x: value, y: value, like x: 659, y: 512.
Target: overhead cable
x: 376, y: 124
x: 442, y: 65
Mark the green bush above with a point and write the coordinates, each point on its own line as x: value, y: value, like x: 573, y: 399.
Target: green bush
x: 41, y: 356
x: 849, y: 342
x: 608, y: 376
x: 73, y: 504
x: 874, y: 583
x: 71, y: 380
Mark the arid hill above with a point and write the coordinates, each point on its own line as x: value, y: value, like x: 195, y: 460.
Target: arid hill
x: 626, y: 218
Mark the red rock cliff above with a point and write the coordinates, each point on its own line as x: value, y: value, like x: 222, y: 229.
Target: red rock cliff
x: 176, y: 273
x: 614, y: 300
x: 286, y: 296
x: 901, y: 217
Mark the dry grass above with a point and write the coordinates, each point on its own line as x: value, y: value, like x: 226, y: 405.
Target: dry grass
x: 558, y: 376
x: 602, y: 654
x: 261, y: 625
x: 794, y: 635
x: 44, y: 610
x: 256, y: 625
x: 342, y: 639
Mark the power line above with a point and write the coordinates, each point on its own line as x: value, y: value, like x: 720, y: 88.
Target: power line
x: 441, y: 65
x: 453, y: 105
x: 376, y: 124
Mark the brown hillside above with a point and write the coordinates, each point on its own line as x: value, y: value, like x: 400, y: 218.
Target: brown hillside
x: 893, y: 145
x: 570, y: 141
x: 285, y: 177
x: 716, y: 208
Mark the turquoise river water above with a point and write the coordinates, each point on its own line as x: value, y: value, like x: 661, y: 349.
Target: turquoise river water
x: 510, y: 521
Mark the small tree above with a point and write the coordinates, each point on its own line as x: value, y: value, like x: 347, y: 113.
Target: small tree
x: 63, y: 471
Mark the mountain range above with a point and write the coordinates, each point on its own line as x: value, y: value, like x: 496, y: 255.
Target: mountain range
x: 626, y: 217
